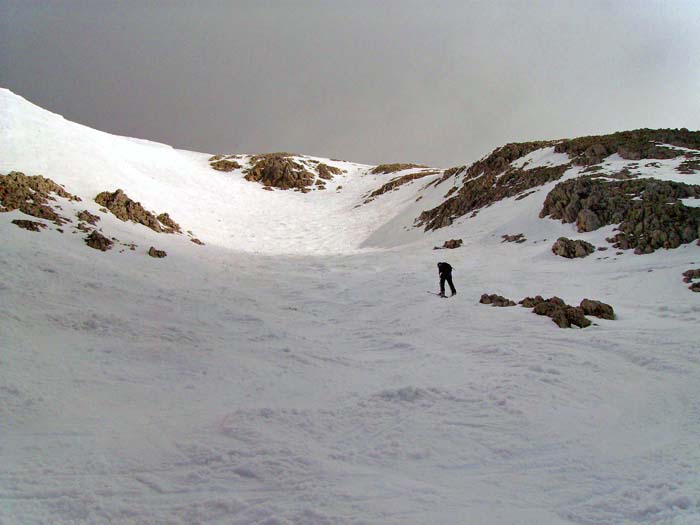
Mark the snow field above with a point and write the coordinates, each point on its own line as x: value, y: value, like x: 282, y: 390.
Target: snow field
x: 320, y: 384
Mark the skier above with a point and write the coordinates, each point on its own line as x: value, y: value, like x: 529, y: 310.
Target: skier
x: 445, y: 272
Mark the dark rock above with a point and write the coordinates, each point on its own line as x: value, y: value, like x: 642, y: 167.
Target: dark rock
x: 98, y: 241
x: 197, y: 241
x: 695, y: 287
x: 572, y: 248
x: 158, y: 254
x: 32, y: 226
x: 496, y: 300
x: 597, y: 309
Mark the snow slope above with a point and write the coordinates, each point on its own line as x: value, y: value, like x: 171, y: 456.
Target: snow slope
x: 294, y: 370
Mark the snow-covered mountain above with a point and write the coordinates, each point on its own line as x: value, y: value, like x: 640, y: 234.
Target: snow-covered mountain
x: 283, y: 363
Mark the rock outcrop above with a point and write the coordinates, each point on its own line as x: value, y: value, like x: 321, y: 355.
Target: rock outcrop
x: 279, y: 170
x: 31, y: 195
x: 632, y: 145
x: 126, y: 209
x: 487, y: 181
x: 649, y: 212
x: 494, y: 178
x: 397, y: 182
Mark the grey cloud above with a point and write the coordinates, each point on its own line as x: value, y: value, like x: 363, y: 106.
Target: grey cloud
x: 440, y: 83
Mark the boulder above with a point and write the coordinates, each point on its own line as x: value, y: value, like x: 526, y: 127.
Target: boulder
x: 531, y: 302
x: 98, y: 241
x: 496, y: 300
x: 571, y: 249
x: 597, y: 309
x: 158, y: 254
x: 562, y: 314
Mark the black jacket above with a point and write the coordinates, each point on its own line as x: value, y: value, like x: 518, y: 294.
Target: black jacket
x: 444, y: 269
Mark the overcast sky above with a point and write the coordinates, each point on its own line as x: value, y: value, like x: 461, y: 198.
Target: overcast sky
x: 440, y: 83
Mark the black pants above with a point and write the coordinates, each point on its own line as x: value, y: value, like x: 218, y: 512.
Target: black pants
x: 446, y: 277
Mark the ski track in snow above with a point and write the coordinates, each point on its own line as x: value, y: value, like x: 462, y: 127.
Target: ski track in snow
x: 223, y: 387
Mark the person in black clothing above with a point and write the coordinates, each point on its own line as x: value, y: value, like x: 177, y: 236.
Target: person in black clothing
x: 445, y: 272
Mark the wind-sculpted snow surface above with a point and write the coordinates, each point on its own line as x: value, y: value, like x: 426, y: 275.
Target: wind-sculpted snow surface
x: 219, y: 385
